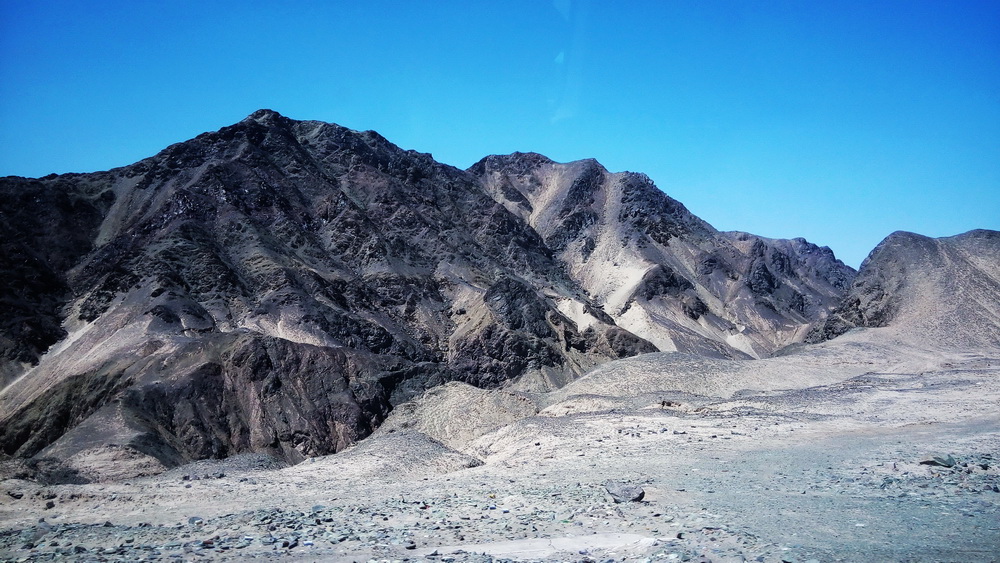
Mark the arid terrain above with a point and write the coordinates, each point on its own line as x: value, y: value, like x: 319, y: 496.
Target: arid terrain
x: 290, y: 340
x: 892, y: 455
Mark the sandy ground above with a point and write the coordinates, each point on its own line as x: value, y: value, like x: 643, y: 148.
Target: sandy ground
x: 827, y: 471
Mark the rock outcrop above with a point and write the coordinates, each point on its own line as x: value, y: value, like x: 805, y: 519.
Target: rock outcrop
x: 941, y: 292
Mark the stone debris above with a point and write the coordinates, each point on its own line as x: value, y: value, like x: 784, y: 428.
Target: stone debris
x: 400, y: 527
x: 396, y: 529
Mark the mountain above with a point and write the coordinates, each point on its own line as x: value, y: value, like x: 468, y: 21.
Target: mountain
x: 279, y: 286
x: 659, y: 271
x: 940, y: 292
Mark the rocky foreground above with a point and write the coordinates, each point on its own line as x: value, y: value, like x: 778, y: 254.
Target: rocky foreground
x: 507, y: 521
x: 898, y: 465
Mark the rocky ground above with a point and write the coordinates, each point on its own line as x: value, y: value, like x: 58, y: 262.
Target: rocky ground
x: 897, y: 465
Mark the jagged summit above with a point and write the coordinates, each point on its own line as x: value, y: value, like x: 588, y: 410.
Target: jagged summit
x: 264, y: 115
x: 280, y: 285
x: 520, y: 161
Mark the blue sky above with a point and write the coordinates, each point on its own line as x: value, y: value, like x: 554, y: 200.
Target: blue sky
x: 836, y: 121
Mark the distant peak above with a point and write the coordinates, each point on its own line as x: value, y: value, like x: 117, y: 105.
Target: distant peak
x: 529, y: 156
x: 263, y: 116
x: 520, y: 162
x: 905, y: 235
x: 532, y: 158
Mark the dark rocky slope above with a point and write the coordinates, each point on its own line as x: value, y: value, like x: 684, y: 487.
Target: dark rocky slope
x: 278, y: 286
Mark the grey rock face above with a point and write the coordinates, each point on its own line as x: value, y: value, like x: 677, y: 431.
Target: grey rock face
x: 941, y: 291
x: 47, y: 226
x: 279, y: 286
x: 623, y: 492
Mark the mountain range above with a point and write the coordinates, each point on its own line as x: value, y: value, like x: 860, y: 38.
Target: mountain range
x: 281, y: 286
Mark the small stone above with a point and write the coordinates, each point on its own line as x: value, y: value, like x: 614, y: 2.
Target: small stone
x: 195, y: 521
x: 15, y: 494
x: 940, y: 461
x: 622, y: 492
x: 49, y: 504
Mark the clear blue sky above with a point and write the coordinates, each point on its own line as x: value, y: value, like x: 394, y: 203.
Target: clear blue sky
x: 837, y: 121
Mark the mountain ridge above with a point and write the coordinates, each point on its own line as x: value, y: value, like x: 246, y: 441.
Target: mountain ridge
x: 214, y: 266
x: 599, y: 221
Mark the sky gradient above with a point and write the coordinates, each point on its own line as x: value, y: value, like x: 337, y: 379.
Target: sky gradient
x: 836, y: 121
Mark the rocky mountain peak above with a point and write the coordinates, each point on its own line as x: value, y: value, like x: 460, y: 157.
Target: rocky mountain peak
x: 265, y: 115
x: 514, y: 163
x: 658, y: 270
